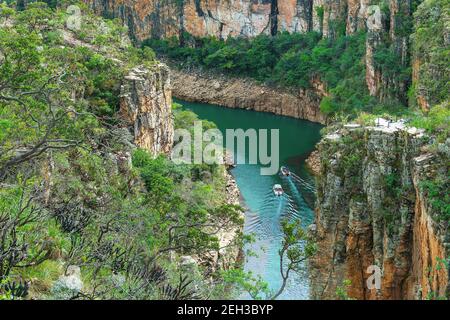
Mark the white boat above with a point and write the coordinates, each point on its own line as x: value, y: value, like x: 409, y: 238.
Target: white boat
x: 277, y: 190
x: 285, y: 171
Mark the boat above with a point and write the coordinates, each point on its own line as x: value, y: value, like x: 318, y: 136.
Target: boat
x: 277, y: 190
x: 285, y: 171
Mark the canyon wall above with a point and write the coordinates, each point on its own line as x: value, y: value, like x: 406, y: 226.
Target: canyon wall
x: 146, y: 107
x: 224, y: 18
x: 374, y: 208
x: 242, y: 93
x: 145, y: 100
x: 388, y: 26
x: 388, y: 31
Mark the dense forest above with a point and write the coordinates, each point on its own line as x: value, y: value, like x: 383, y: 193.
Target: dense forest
x: 86, y: 213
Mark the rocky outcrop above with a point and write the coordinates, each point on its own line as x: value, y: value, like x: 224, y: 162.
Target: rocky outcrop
x: 388, y: 27
x: 146, y: 107
x: 247, y: 94
x: 220, y: 18
x: 374, y: 40
x: 373, y: 210
x: 313, y: 162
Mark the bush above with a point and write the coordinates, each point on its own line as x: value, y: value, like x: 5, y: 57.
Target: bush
x: 291, y: 60
x: 439, y: 198
x: 436, y: 121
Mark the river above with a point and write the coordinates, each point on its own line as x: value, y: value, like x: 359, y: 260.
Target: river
x: 265, y: 210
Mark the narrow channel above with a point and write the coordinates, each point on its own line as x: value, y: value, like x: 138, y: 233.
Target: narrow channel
x: 264, y: 210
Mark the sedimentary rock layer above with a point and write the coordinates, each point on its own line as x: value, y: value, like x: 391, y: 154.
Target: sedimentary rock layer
x: 224, y: 18
x: 146, y: 107
x: 249, y: 18
x: 372, y: 210
x: 247, y: 94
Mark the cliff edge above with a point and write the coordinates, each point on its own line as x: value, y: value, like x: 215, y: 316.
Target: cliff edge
x: 381, y: 202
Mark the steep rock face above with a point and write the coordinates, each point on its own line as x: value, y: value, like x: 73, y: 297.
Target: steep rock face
x: 387, y: 26
x: 388, y: 31
x: 372, y: 210
x: 375, y: 32
x: 247, y: 94
x: 333, y: 17
x: 318, y: 15
x: 144, y: 18
x: 400, y: 11
x: 401, y: 17
x: 356, y: 15
x: 146, y: 107
x: 200, y: 18
x: 295, y: 15
x: 429, y: 273
x: 225, y: 18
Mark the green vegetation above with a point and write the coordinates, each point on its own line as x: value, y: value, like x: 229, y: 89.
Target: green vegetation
x: 438, y: 196
x: 297, y: 60
x: 290, y: 60
x: 68, y: 196
x: 342, y: 291
x: 431, y: 51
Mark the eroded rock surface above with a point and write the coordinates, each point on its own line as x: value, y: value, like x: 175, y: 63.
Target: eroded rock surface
x: 248, y: 18
x: 146, y: 108
x: 372, y: 210
x: 247, y: 94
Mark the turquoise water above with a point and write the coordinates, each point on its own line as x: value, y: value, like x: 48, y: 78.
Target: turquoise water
x: 264, y: 209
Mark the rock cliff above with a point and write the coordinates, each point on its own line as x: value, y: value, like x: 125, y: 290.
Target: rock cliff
x: 388, y: 25
x: 220, y: 18
x: 388, y: 31
x: 146, y: 107
x: 374, y: 208
x: 247, y: 94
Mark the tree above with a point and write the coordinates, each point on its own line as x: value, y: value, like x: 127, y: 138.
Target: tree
x: 35, y: 103
x: 297, y: 247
